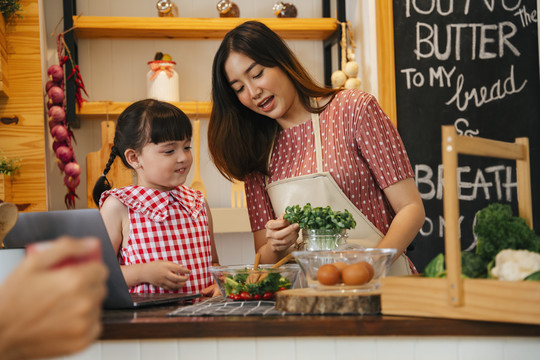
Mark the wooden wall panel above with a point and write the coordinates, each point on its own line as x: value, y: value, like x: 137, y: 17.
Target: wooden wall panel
x: 26, y: 139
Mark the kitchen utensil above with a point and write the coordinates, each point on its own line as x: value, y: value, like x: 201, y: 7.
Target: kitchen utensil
x: 8, y: 217
x: 257, y: 260
x: 238, y: 194
x: 197, y: 182
x: 283, y: 260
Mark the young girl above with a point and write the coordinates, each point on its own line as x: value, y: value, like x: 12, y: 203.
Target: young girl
x: 160, y: 228
x: 292, y: 142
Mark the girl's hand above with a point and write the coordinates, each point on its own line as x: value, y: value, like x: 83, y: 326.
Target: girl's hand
x: 280, y: 234
x: 166, y: 274
x: 211, y: 291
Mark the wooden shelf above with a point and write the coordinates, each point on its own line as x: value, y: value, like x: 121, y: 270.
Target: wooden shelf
x: 100, y: 109
x: 195, y: 28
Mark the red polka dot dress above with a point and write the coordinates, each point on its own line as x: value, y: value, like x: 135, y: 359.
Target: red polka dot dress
x: 167, y: 225
x: 360, y: 147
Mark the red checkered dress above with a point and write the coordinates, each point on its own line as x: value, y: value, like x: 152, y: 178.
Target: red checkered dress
x: 166, y: 225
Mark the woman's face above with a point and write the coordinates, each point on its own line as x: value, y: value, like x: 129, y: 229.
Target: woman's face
x: 165, y: 165
x: 264, y: 90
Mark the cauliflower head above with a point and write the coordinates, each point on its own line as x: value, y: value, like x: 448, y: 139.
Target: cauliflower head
x: 515, y: 265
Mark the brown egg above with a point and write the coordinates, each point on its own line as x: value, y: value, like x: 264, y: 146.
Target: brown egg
x: 357, y: 274
x: 340, y: 265
x: 328, y: 274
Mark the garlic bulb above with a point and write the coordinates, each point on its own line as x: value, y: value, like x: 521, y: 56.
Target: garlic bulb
x: 351, y: 69
x: 338, y: 79
x: 352, y: 83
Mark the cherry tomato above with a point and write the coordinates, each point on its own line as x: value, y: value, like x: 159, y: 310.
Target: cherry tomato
x: 231, y: 296
x: 257, y: 297
x: 236, y: 297
x: 268, y: 295
x: 244, y: 295
x: 282, y: 288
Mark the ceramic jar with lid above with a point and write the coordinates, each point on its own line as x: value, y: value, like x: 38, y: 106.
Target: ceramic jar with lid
x: 162, y: 82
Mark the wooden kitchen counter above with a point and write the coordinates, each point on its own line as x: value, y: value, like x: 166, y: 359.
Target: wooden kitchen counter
x: 153, y: 323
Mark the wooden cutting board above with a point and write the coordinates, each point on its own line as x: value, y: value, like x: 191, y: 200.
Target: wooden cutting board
x: 313, y: 301
x: 118, y: 176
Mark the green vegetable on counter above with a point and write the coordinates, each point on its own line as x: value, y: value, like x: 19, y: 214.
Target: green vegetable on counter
x: 535, y: 276
x: 472, y: 266
x: 309, y: 217
x: 255, y: 282
x: 497, y: 229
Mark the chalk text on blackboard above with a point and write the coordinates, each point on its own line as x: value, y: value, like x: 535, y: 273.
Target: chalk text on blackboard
x: 526, y: 17
x: 483, y: 37
x: 498, y: 91
x: 428, y: 7
x: 492, y: 182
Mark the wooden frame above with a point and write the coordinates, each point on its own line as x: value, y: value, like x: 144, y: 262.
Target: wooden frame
x: 455, y: 297
x: 385, y: 58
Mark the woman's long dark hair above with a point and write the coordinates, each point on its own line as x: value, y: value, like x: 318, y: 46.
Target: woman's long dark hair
x: 143, y: 122
x: 239, y: 139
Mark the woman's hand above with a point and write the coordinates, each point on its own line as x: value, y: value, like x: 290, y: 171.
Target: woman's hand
x: 274, y: 241
x: 165, y: 274
x: 212, y: 291
x: 51, y: 304
x: 281, y: 234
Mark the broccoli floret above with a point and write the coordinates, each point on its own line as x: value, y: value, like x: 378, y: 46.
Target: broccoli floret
x: 241, y: 277
x: 472, y: 266
x: 497, y: 229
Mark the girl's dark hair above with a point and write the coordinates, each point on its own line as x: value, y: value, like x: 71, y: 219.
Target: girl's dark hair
x: 143, y: 122
x: 240, y: 140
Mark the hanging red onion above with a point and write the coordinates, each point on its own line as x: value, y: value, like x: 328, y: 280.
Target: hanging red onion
x: 56, y: 73
x: 72, y: 169
x: 64, y: 153
x: 57, y: 144
x: 60, y: 133
x: 57, y: 112
x: 71, y: 181
x: 49, y: 84
x: 56, y: 95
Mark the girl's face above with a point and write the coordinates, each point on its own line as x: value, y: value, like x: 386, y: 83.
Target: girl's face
x: 163, y: 166
x: 264, y: 90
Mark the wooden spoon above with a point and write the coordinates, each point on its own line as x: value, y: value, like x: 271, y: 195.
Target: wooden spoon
x: 257, y: 261
x: 8, y: 217
x: 282, y: 261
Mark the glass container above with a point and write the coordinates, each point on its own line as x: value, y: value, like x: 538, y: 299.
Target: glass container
x: 228, y: 8
x: 166, y: 8
x: 323, y: 239
x: 284, y: 10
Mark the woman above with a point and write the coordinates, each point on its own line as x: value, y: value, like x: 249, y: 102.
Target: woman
x: 292, y: 142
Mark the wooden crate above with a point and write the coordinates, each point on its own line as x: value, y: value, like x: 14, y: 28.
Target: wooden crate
x: 473, y: 299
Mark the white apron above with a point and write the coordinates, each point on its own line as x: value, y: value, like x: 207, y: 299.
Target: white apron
x: 321, y: 190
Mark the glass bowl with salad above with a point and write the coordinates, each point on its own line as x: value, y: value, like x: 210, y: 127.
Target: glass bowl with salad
x: 242, y: 282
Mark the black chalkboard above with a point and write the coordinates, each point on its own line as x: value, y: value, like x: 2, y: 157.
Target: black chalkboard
x: 474, y: 65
